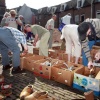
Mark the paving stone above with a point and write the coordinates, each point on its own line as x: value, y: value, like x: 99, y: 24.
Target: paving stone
x: 56, y: 90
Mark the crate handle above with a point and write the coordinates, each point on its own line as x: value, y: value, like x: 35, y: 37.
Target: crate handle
x: 59, y: 73
x: 41, y: 72
x: 66, y: 81
x: 46, y: 68
x: 32, y: 68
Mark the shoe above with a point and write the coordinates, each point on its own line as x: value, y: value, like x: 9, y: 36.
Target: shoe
x: 17, y: 70
x: 37, y: 96
x: 26, y: 92
x: 3, y: 87
x: 6, y: 92
x: 6, y: 67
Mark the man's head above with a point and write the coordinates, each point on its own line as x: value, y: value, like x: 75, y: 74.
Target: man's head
x: 54, y: 16
x: 27, y: 28
x: 84, y: 30
x: 13, y: 13
x: 21, y: 17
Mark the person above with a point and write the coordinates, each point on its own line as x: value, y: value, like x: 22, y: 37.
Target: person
x: 29, y: 36
x: 20, y: 26
x: 4, y: 19
x: 9, y: 39
x: 88, y: 35
x: 65, y: 20
x: 72, y: 40
x: 50, y: 26
x: 13, y: 21
x: 42, y: 34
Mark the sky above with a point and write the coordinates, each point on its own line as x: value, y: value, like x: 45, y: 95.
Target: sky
x: 36, y: 4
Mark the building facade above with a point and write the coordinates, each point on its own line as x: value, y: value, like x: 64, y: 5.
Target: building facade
x: 2, y: 8
x: 79, y: 10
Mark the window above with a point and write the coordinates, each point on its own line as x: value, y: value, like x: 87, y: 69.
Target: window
x: 39, y: 16
x: 48, y: 9
x: 63, y: 6
x: 53, y: 10
x: 82, y: 18
x: 98, y: 14
x: 77, y: 19
x: 39, y: 11
x: 79, y: 3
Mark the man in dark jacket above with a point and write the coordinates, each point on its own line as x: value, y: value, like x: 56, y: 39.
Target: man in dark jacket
x: 88, y: 36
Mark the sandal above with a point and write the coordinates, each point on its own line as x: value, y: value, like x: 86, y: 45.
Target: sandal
x: 6, y: 92
x: 3, y: 87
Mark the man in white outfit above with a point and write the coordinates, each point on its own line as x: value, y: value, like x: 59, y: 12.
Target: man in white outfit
x: 67, y: 19
x: 50, y: 26
x: 70, y: 33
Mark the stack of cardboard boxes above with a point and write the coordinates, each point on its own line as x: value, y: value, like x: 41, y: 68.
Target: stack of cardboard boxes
x: 57, y: 68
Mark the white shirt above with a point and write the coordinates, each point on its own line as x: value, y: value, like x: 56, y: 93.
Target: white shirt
x: 50, y: 22
x: 12, y: 22
x: 66, y: 19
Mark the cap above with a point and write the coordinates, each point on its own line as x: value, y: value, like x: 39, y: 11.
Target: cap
x: 82, y: 30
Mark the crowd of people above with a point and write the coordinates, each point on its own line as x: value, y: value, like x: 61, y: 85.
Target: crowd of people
x: 13, y: 29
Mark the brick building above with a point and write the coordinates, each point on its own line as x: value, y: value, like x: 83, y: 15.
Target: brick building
x: 2, y: 8
x: 79, y: 10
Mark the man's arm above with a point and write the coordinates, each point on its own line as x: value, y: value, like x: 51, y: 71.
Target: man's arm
x: 19, y: 22
x: 35, y: 40
x: 86, y: 50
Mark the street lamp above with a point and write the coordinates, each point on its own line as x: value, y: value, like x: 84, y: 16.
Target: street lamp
x: 92, y: 8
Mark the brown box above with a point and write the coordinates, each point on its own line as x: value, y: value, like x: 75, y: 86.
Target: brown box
x: 61, y: 74
x: 56, y: 47
x: 29, y: 61
x: 93, y: 52
x: 36, y: 51
x: 22, y: 62
x: 65, y: 58
x: 52, y: 53
x: 87, y: 71
x: 98, y: 75
x: 89, y: 95
x: 43, y: 70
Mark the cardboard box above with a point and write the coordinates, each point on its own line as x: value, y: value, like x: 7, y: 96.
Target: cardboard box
x: 56, y: 47
x: 29, y: 61
x: 61, y: 74
x: 93, y: 52
x: 52, y: 54
x: 44, y: 70
x: 98, y: 76
x: 65, y: 58
x: 60, y: 54
x: 22, y: 62
x: 86, y: 83
x: 89, y: 95
x: 36, y: 51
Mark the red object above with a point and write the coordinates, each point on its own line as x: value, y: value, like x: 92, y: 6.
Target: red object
x: 40, y: 67
x: 3, y: 87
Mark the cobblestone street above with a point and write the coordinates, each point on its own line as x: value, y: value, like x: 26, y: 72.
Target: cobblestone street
x: 57, y: 90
